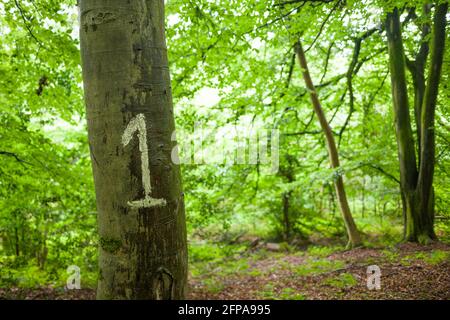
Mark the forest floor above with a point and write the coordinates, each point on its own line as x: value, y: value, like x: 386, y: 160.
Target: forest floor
x: 408, y: 271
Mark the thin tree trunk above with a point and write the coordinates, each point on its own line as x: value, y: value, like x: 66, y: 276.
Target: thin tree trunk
x: 321, y: 199
x: 352, y: 231
x: 286, y: 219
x: 332, y: 202
x: 375, y: 206
x: 16, y: 241
x: 363, y: 197
x: 140, y: 204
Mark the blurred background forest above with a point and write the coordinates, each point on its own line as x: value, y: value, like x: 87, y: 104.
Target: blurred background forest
x: 232, y: 63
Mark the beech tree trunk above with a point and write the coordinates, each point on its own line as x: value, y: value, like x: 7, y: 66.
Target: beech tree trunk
x: 140, y: 205
x: 354, y: 238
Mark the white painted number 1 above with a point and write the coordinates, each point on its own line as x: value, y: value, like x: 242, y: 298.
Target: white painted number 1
x: 138, y: 124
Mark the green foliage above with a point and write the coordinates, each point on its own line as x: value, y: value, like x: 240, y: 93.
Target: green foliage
x: 231, y: 64
x: 434, y: 257
x: 270, y: 293
x: 390, y: 255
x: 291, y: 294
x: 207, y: 258
x: 343, y: 280
x: 47, y: 207
x: 317, y: 266
x: 322, y: 251
x: 206, y: 251
x: 213, y: 285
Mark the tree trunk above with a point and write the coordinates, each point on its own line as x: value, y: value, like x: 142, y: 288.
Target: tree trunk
x: 427, y: 134
x: 140, y: 204
x: 416, y: 184
x: 16, y: 241
x: 405, y: 140
x: 352, y: 231
x: 363, y: 197
x: 417, y: 69
x: 286, y: 218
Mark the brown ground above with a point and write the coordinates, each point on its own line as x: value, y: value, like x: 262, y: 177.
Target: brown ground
x: 401, y: 278
x: 418, y: 280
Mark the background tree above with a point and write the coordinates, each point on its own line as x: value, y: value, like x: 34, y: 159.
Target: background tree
x: 416, y: 172
x: 354, y: 238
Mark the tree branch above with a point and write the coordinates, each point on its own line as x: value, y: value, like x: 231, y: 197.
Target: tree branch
x: 379, y: 169
x: 285, y: 3
x: 323, y: 25
x: 25, y: 21
x: 15, y: 156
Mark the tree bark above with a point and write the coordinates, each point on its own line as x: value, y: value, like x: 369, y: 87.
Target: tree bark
x: 354, y: 238
x: 416, y: 184
x: 417, y: 69
x: 141, y: 219
x: 405, y: 140
x: 286, y: 218
x: 16, y: 241
x: 427, y: 135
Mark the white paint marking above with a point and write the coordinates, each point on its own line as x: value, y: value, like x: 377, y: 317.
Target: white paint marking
x: 147, y: 202
x: 138, y: 124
